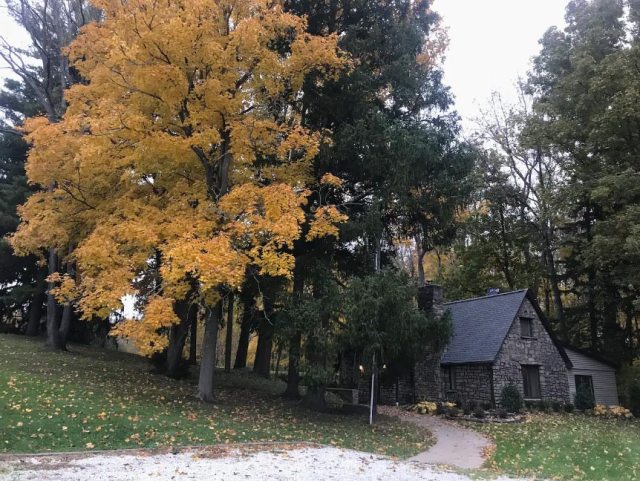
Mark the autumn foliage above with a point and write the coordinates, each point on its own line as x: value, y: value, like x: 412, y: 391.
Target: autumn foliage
x: 183, y: 151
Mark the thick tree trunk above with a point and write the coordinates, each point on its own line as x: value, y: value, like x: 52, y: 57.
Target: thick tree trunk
x: 248, y: 306
x: 262, y: 364
x: 178, y: 338
x: 53, y: 319
x: 293, y: 372
x: 229, y: 338
x: 35, y: 313
x: 65, y: 324
x: 208, y: 361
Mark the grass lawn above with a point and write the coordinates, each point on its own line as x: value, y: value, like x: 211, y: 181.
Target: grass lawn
x: 98, y: 399
x: 568, y: 447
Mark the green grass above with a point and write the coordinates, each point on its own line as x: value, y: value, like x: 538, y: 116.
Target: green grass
x: 568, y: 447
x: 98, y: 399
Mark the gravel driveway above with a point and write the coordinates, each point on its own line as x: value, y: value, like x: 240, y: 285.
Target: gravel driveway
x: 228, y: 464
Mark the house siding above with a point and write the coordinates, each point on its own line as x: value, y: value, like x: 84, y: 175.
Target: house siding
x: 539, y: 350
x: 604, y: 377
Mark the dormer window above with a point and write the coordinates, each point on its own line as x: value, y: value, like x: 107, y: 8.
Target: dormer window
x: 526, y: 327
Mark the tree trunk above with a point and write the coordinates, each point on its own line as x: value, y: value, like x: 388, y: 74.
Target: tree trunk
x: 295, y: 342
x: 229, y: 338
x: 293, y: 372
x: 208, y: 360
x: 53, y: 319
x: 65, y: 324
x: 554, y: 282
x: 420, y: 253
x: 248, y: 305
x: 67, y: 311
x: 262, y: 364
x: 177, y: 339
x: 276, y: 365
x: 35, y: 313
x: 193, y: 337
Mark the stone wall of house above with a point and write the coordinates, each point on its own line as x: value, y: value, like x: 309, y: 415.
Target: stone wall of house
x: 428, y: 378
x: 539, y: 350
x: 472, y: 383
x: 390, y: 392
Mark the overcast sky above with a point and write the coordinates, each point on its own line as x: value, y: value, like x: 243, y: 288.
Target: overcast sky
x: 491, y: 44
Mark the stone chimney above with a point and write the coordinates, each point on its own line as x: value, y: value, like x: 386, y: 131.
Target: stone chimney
x: 431, y: 298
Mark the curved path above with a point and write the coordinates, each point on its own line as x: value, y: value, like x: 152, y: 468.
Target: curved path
x: 455, y: 446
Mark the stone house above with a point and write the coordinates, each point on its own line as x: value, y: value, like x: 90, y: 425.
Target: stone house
x: 498, y: 339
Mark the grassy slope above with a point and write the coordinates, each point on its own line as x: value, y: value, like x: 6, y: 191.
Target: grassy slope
x: 568, y: 447
x: 106, y: 400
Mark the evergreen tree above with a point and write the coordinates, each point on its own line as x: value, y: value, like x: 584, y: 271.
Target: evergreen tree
x: 586, y: 87
x: 21, y: 280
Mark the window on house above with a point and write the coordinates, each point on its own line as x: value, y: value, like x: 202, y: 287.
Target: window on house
x: 531, y: 382
x: 526, y: 327
x: 586, y: 381
x: 450, y: 378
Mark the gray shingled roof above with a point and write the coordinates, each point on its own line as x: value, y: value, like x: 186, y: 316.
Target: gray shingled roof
x: 480, y: 326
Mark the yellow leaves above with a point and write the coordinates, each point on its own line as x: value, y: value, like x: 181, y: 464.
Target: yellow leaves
x: 264, y: 220
x: 178, y: 95
x: 325, y: 222
x: 612, y: 411
x: 143, y: 332
x: 210, y: 261
x: 66, y: 290
x: 332, y: 180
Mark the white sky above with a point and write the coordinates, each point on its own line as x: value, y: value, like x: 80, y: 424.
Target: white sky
x: 491, y: 44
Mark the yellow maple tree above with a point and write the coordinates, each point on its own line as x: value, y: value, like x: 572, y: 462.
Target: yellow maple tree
x: 184, y: 143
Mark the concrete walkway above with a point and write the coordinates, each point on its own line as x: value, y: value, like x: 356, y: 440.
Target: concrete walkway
x: 455, y: 446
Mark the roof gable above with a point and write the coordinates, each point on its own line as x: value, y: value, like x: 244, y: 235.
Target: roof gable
x: 480, y: 326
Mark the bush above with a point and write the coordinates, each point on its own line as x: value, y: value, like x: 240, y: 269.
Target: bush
x: 568, y: 408
x: 440, y: 409
x: 612, y: 411
x: 425, y: 407
x: 584, y: 398
x: 503, y: 413
x: 453, y: 412
x: 531, y: 405
x: 556, y: 406
x: 479, y: 413
x: 510, y: 399
x: 544, y: 406
x: 467, y: 409
x: 634, y: 398
x: 487, y: 406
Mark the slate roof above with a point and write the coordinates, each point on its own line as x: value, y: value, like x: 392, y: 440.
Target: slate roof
x: 480, y: 326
